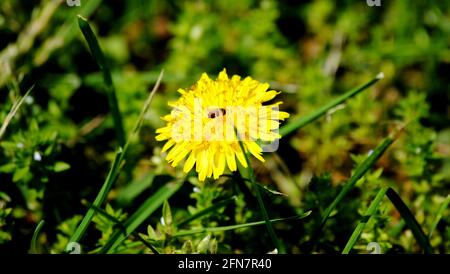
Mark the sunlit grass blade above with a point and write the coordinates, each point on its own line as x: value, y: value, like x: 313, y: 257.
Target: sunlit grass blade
x: 205, y: 211
x: 182, y: 233
x: 101, y: 196
x: 362, y: 169
x: 296, y: 124
x: 142, y: 214
x: 121, y: 226
x: 33, y: 245
x: 110, y: 89
x: 251, y: 177
x: 365, y: 219
x: 410, y: 220
x: 13, y: 111
x: 439, y: 215
x: 63, y: 33
x: 115, y: 169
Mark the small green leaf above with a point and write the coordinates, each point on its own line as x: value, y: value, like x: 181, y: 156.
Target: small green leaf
x: 167, y: 214
x: 20, y: 173
x: 8, y: 168
x: 61, y: 166
x: 213, y: 246
x: 187, y: 247
x: 202, y: 247
x: 151, y: 233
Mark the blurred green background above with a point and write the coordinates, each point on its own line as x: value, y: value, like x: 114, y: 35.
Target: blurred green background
x: 58, y: 148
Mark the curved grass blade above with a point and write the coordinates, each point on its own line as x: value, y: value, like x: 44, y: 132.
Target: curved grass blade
x: 63, y: 34
x: 205, y: 211
x: 410, y: 221
x: 114, y: 171
x: 142, y: 214
x: 262, y: 208
x: 304, y: 120
x: 362, y: 169
x: 232, y: 227
x: 13, y: 111
x: 365, y: 219
x: 110, y: 89
x: 33, y: 246
x: 101, y: 196
x: 439, y: 215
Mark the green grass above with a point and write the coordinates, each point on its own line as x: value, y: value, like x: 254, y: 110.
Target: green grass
x: 34, y: 239
x: 15, y: 107
x: 295, y: 124
x: 359, y: 172
x: 121, y: 153
x: 410, y: 220
x: 439, y: 215
x: 142, y: 214
x: 97, y: 53
x: 71, y: 155
x: 183, y: 233
x: 99, y: 200
x: 251, y: 176
x: 365, y: 219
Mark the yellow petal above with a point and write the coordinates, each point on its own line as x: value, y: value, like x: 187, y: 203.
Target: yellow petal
x: 223, y: 75
x: 168, y: 144
x: 180, y: 156
x: 255, y: 150
x: 241, y: 158
x: 219, y: 164
x: 189, y: 164
x: 269, y: 95
x: 231, y: 161
x: 162, y: 137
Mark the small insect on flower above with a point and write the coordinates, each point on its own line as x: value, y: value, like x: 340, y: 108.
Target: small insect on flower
x: 209, y: 120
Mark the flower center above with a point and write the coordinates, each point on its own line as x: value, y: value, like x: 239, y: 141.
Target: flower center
x: 216, y: 112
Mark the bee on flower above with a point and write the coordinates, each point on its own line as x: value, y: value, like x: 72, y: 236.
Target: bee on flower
x: 209, y: 120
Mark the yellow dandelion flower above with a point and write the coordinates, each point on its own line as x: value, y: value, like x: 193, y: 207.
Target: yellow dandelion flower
x: 203, y: 123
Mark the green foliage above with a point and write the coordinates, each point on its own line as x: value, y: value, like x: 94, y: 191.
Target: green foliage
x: 5, y: 211
x: 91, y: 90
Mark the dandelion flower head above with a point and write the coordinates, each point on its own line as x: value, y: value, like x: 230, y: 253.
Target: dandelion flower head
x: 209, y: 120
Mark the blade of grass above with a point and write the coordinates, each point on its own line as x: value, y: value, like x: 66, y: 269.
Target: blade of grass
x: 110, y: 89
x: 115, y: 169
x: 142, y: 214
x: 263, y: 187
x: 439, y: 215
x: 101, y: 196
x: 13, y: 111
x: 33, y: 246
x: 262, y: 208
x: 304, y: 120
x: 365, y: 219
x: 238, y: 226
x: 205, y: 211
x: 63, y: 34
x: 410, y: 220
x: 362, y: 169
